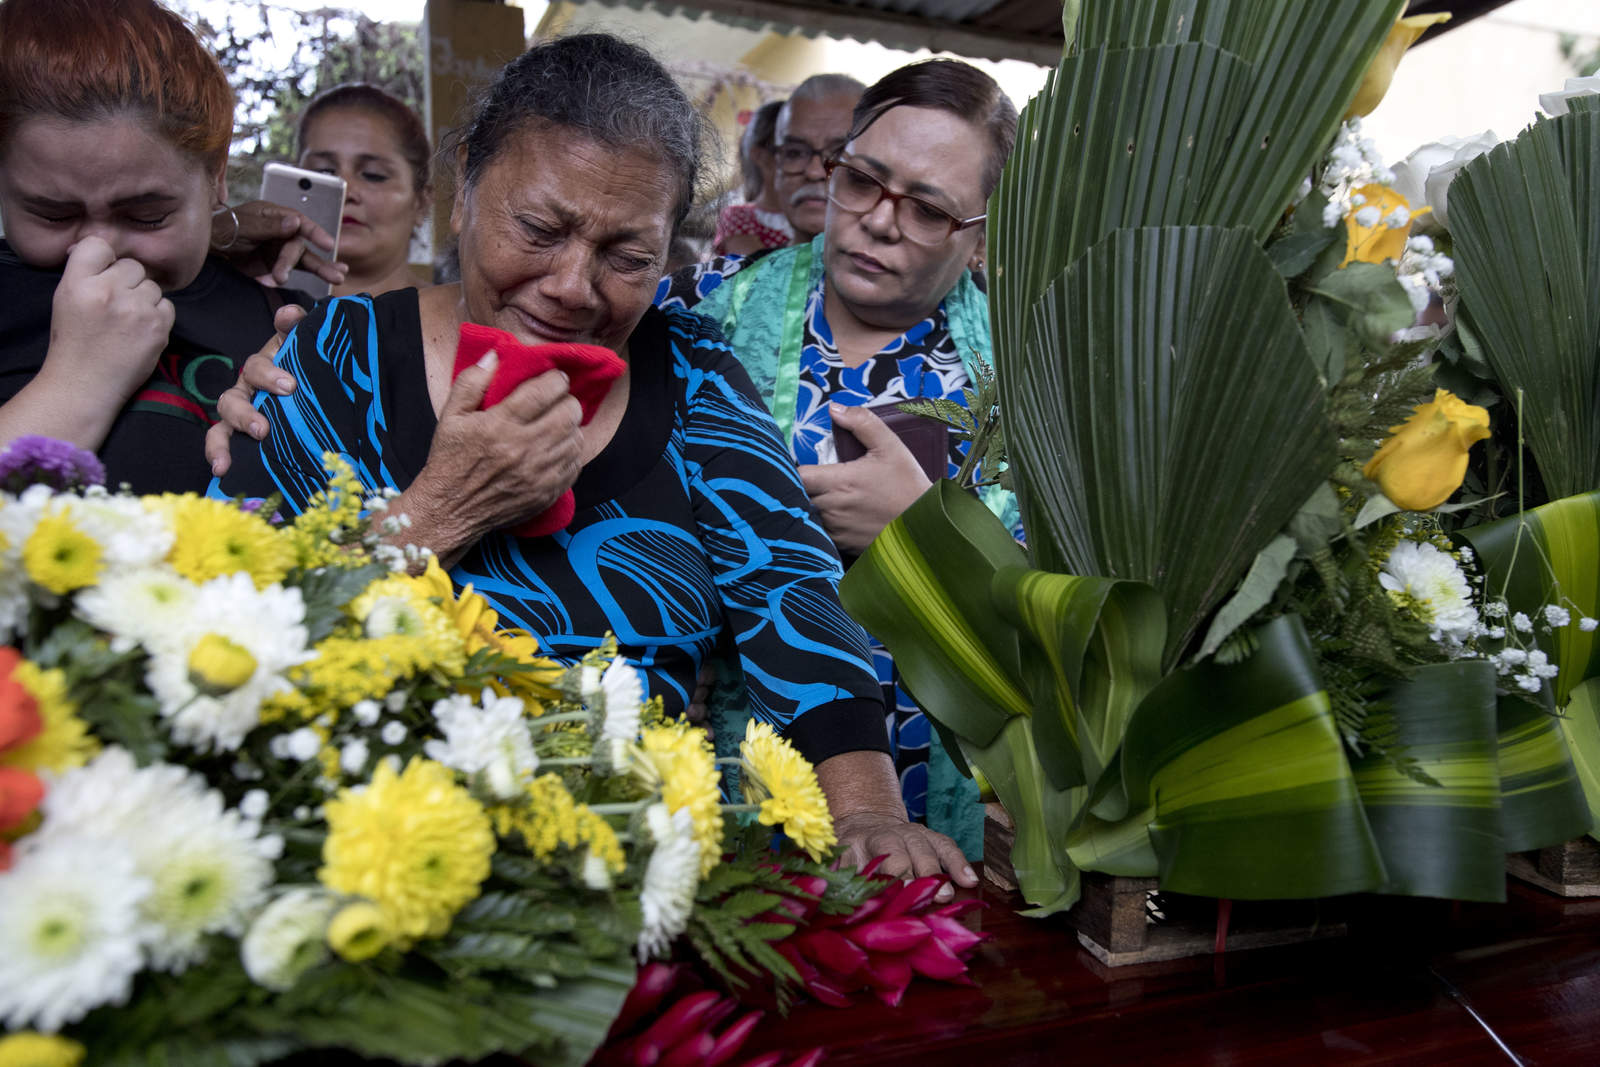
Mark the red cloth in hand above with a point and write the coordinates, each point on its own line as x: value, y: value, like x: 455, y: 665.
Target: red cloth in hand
x: 590, y: 370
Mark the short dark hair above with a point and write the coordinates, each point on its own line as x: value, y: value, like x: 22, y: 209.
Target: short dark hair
x: 759, y: 134
x: 946, y: 85
x: 415, y: 148
x: 601, y: 86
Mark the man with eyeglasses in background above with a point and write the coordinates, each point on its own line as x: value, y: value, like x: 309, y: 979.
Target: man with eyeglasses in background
x: 879, y: 308
x: 811, y: 130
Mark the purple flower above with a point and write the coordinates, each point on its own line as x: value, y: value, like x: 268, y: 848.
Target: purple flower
x: 35, y: 460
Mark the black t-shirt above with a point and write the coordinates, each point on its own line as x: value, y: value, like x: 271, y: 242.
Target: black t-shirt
x: 157, y: 442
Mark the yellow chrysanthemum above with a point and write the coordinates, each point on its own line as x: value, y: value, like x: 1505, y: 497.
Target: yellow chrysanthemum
x: 678, y: 761
x: 318, y: 537
x: 550, y: 819
x: 213, y: 538
x: 64, y: 742
x: 786, y: 787
x: 358, y: 931
x: 348, y: 669
x: 59, y: 556
x: 415, y: 844
x: 477, y: 624
x: 393, y: 607
x: 29, y: 1049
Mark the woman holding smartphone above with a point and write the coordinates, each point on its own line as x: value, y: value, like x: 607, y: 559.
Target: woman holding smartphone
x: 379, y: 147
x: 119, y: 329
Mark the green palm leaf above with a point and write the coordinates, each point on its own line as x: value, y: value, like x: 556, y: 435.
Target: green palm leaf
x: 1094, y: 652
x: 1218, y: 131
x: 1247, y: 776
x: 922, y: 589
x: 1442, y: 839
x: 1527, y: 250
x: 1167, y: 422
x: 1580, y: 728
x: 1542, y: 800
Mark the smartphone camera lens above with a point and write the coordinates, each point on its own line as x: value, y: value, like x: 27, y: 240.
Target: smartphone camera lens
x: 305, y: 183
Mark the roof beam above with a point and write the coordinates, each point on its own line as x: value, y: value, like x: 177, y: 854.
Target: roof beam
x: 885, y: 27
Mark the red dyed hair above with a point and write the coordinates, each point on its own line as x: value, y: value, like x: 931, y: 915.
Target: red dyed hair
x: 85, y: 60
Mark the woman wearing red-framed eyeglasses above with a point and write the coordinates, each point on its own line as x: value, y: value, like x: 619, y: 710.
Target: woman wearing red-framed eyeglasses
x: 883, y: 306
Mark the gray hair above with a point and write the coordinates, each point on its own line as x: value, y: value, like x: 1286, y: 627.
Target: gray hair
x: 822, y: 86
x: 602, y: 87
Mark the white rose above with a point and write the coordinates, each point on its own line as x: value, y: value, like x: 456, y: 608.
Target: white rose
x: 1555, y: 104
x: 1425, y: 175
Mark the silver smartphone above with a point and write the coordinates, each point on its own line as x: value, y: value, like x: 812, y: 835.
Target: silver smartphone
x: 318, y: 196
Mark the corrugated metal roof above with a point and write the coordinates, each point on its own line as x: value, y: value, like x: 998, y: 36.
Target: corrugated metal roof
x: 992, y: 29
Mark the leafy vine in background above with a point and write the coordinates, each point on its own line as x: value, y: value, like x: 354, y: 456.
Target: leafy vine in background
x: 277, y: 58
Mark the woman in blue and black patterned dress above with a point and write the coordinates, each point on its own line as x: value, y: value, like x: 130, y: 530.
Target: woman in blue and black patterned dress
x: 692, y: 531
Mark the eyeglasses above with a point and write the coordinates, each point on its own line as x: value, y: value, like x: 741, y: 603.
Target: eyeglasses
x: 795, y: 156
x: 859, y: 192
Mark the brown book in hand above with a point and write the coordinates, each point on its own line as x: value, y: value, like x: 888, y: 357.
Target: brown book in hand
x: 927, y: 439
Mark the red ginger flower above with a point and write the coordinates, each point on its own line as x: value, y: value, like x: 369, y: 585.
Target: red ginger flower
x: 882, y: 945
x: 669, y: 1020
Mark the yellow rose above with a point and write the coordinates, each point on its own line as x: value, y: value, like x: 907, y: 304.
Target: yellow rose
x: 1380, y: 242
x: 1424, y: 460
x: 1380, y: 72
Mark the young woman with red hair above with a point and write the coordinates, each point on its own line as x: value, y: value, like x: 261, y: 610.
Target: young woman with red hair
x: 119, y: 330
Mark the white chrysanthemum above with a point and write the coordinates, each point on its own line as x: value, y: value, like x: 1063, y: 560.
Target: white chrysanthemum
x: 1435, y: 585
x: 670, y: 880
x: 391, y: 615
x: 129, y: 533
x: 148, y: 606
x: 267, y: 624
x: 18, y: 517
x: 70, y: 931
x: 208, y: 867
x: 288, y: 937
x: 491, y: 741
x: 623, y: 694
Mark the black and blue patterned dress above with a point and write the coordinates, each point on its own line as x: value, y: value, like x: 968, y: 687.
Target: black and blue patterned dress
x: 692, y: 531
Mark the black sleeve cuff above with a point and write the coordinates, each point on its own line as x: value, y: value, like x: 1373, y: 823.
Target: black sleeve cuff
x: 852, y: 725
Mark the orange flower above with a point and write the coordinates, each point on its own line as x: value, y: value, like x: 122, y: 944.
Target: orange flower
x: 19, y: 711
x: 20, y: 793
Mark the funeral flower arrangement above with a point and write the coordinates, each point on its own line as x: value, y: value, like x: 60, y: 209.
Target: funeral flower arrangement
x: 1289, y: 604
x: 271, y: 786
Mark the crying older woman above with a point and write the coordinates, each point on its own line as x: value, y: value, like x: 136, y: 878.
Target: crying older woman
x: 692, y: 531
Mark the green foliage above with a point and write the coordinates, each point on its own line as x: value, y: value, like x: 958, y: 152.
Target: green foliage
x: 977, y: 423
x: 740, y: 913
x: 1525, y: 217
x: 278, y: 57
x: 107, y: 686
x: 327, y: 590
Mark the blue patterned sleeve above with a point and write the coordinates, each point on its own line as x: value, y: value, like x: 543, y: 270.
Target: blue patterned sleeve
x: 687, y: 286
x: 332, y: 355
x: 806, y: 663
